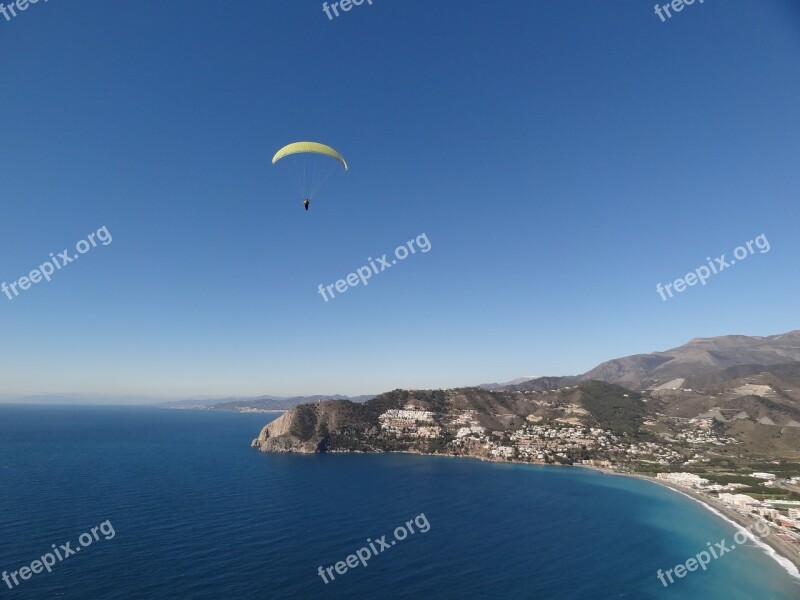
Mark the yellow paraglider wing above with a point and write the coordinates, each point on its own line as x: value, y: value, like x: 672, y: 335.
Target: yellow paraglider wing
x: 314, y: 147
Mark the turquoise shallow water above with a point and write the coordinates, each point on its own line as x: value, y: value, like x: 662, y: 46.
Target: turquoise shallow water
x: 198, y: 514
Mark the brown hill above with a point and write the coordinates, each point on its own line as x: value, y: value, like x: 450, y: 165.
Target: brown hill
x: 700, y: 355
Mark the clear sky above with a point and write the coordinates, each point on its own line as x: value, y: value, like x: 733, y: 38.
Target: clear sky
x: 561, y: 157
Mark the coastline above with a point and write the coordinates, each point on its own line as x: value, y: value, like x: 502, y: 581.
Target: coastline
x: 785, y: 554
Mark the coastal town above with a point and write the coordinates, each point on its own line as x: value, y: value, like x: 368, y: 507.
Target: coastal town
x: 563, y: 440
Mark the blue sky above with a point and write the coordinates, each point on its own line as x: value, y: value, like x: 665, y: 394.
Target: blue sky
x: 561, y: 157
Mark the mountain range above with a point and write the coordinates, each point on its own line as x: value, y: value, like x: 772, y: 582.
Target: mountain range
x: 700, y: 355
x: 696, y: 361
x: 728, y: 401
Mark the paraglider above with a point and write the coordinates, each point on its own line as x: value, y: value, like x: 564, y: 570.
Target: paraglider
x: 319, y: 159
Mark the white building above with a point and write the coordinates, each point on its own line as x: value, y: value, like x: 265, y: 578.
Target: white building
x: 740, y: 501
x: 687, y: 479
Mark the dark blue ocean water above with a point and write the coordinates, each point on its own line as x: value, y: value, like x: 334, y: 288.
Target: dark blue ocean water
x: 197, y: 513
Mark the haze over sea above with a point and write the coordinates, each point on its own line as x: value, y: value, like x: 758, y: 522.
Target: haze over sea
x: 199, y: 514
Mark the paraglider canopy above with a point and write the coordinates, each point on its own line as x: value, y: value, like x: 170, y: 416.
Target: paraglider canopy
x: 313, y: 147
x: 311, y: 167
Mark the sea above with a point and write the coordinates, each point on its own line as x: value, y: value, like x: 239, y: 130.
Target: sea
x: 197, y: 513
